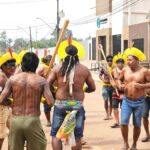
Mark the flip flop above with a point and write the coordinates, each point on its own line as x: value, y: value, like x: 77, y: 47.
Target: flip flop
x: 146, y: 139
x: 115, y: 125
x: 84, y: 143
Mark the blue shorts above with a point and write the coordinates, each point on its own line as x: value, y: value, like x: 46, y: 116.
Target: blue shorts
x: 59, y: 115
x: 47, y: 108
x: 134, y: 107
x: 146, y: 107
x: 107, y: 92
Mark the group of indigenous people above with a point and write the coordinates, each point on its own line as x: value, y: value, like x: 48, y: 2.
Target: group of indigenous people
x: 129, y: 87
x: 23, y: 87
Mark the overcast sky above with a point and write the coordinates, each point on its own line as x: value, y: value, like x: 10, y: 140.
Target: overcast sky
x: 17, y: 14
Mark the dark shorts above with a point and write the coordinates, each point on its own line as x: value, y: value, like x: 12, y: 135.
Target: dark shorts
x: 59, y: 115
x: 134, y: 107
x: 47, y: 108
x: 107, y: 92
x: 116, y: 102
x: 146, y: 107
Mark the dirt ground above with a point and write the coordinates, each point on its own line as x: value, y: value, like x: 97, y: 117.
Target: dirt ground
x: 98, y: 133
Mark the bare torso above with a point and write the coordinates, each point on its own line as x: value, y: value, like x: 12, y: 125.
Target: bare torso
x: 27, y: 89
x: 82, y: 75
x: 130, y: 78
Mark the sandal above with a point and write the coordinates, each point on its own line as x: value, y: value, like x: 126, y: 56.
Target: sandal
x: 116, y: 125
x: 146, y: 139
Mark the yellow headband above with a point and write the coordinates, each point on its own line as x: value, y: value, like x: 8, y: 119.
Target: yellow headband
x: 20, y: 56
x: 7, y: 56
x: 135, y: 52
x: 61, y: 50
x: 118, y: 56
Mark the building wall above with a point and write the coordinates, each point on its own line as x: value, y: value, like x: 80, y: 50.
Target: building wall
x: 141, y: 31
x: 101, y: 33
x: 103, y: 7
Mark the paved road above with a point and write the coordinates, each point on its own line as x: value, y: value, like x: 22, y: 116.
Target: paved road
x: 98, y: 134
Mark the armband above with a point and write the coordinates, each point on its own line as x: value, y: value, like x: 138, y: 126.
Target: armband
x: 43, y: 100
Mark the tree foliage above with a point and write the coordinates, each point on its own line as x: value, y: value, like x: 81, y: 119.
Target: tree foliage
x: 5, y: 42
x: 20, y: 43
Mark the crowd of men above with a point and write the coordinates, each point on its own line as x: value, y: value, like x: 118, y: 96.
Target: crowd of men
x: 23, y: 86
x: 130, y: 87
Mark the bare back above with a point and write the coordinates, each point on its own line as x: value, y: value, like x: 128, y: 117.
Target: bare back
x: 82, y: 75
x: 27, y: 90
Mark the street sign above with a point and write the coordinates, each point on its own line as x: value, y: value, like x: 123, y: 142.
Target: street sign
x: 98, y: 22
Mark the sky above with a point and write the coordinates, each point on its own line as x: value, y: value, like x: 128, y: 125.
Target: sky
x: 17, y: 15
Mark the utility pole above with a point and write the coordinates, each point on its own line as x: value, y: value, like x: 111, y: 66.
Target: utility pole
x: 58, y: 19
x: 30, y: 38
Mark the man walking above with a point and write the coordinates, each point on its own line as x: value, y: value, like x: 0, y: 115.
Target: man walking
x: 146, y: 110
x: 135, y: 78
x: 70, y: 78
x: 27, y: 89
x: 107, y: 88
x: 7, y: 64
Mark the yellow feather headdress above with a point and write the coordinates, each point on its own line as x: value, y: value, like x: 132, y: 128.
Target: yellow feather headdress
x: 8, y: 56
x: 61, y: 50
x: 117, y: 57
x: 20, y: 56
x: 135, y: 52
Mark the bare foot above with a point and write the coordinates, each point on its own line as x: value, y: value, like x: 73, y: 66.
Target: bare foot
x: 133, y: 147
x: 107, y: 118
x: 125, y: 147
x: 48, y: 124
x: 146, y: 139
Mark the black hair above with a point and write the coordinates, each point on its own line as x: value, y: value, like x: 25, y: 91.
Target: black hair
x: 30, y: 62
x: 71, y: 50
x: 71, y: 59
x: 120, y: 60
x: 11, y: 61
x: 47, y: 59
x: 109, y: 57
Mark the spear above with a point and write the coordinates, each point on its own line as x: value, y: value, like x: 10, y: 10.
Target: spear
x: 57, y: 46
x: 102, y: 51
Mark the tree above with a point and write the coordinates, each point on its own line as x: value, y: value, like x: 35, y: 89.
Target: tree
x: 4, y: 42
x: 20, y: 44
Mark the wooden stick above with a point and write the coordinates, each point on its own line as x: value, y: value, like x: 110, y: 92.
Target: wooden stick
x: 102, y: 51
x: 57, y: 46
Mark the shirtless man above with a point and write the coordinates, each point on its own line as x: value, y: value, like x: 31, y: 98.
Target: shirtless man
x: 8, y: 67
x: 117, y: 99
x: 42, y: 71
x: 146, y: 110
x: 27, y: 89
x: 70, y: 78
x: 107, y: 88
x: 135, y: 78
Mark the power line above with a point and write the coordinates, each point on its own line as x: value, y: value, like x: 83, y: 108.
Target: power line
x: 87, y: 19
x: 124, y: 6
